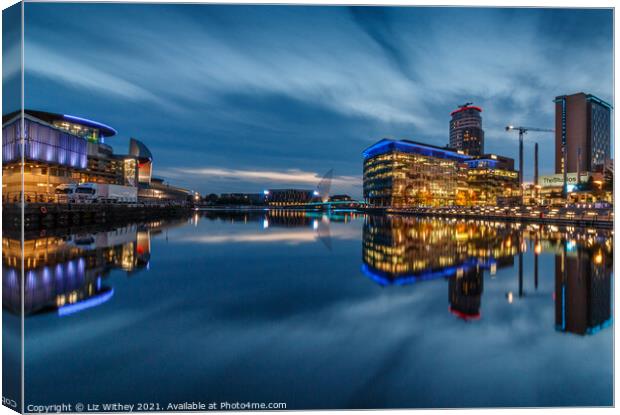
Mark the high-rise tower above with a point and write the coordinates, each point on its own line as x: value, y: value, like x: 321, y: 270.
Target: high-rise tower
x: 583, y: 128
x: 466, y: 133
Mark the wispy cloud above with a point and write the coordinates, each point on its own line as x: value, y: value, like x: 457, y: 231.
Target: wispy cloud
x: 299, y: 85
x: 52, y: 65
x: 291, y: 176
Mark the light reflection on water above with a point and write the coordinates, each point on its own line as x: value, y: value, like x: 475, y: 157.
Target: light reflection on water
x: 364, y: 311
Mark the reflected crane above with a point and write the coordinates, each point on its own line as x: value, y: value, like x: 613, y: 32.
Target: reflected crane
x: 522, y: 131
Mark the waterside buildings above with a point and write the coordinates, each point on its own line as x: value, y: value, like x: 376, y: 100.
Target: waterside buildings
x: 583, y: 129
x: 64, y: 149
x: 404, y: 173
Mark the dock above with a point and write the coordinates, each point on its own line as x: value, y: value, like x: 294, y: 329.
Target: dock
x: 62, y: 215
x: 602, y: 221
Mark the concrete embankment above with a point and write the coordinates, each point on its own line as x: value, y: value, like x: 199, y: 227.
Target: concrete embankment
x: 52, y: 215
x: 577, y: 220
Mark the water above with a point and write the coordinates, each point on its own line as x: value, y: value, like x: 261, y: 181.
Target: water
x: 344, y: 311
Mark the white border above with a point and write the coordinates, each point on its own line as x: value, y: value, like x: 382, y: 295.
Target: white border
x: 471, y: 3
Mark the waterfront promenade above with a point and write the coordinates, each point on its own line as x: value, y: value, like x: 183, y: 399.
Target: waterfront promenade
x: 52, y: 215
x: 566, y: 216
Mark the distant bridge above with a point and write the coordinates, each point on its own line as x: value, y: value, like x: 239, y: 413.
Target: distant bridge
x: 338, y: 204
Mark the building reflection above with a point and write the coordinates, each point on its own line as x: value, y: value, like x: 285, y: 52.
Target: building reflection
x: 583, y: 288
x: 67, y: 273
x: 279, y: 218
x: 399, y: 250
x: 465, y: 293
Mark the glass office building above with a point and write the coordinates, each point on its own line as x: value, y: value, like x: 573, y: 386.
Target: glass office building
x: 406, y: 173
x: 490, y: 178
x: 410, y: 174
x: 466, y: 133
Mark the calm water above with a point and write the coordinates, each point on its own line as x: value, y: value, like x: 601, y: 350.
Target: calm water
x: 345, y: 311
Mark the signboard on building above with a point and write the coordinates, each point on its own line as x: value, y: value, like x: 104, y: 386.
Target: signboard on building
x: 556, y: 180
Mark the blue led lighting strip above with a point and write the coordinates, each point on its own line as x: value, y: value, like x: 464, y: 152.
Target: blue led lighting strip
x: 83, y: 305
x: 387, y: 145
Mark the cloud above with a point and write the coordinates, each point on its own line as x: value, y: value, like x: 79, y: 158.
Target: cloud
x: 45, y: 62
x: 306, y: 83
x: 293, y: 237
x: 291, y: 176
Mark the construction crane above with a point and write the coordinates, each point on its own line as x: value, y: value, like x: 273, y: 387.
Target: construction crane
x: 522, y: 131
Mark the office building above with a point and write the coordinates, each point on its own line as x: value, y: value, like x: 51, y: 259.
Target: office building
x: 583, y: 127
x: 466, y: 133
x: 408, y: 174
x: 490, y: 179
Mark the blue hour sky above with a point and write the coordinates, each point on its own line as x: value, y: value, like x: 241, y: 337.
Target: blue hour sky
x: 242, y: 98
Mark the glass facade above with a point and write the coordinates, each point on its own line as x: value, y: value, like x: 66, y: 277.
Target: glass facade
x: 88, y: 133
x: 600, y: 131
x: 43, y: 143
x: 486, y: 184
x: 403, y: 174
x: 409, y: 174
x: 51, y: 157
x: 466, y: 133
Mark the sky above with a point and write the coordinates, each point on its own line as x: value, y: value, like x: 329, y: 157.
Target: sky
x: 244, y: 98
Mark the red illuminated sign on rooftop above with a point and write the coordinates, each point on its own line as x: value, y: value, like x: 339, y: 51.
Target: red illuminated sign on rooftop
x: 466, y: 108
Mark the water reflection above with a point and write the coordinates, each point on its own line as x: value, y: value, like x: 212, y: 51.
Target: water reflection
x: 66, y: 272
x: 254, y: 312
x: 403, y: 250
x: 582, y: 289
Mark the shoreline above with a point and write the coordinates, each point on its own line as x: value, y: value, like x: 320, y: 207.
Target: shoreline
x: 60, y: 215
x: 50, y: 216
x: 595, y: 222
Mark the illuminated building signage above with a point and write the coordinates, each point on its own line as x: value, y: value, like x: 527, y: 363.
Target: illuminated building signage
x: 557, y: 180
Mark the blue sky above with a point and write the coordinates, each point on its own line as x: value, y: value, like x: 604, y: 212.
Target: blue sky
x: 241, y: 98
